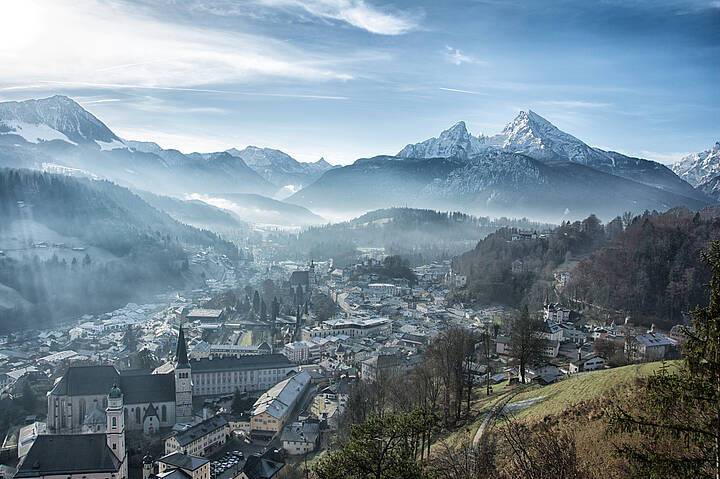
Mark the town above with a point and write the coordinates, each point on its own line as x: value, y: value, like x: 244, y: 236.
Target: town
x: 238, y: 381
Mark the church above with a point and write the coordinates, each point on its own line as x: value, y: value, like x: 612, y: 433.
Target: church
x: 78, y: 401
x: 82, y: 456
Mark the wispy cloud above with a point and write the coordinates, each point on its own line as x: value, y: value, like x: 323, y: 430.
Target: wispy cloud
x: 357, y: 13
x: 456, y: 90
x: 123, y: 46
x: 575, y: 104
x: 456, y: 57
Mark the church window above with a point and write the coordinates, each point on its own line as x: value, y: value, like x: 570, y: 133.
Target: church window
x: 114, y: 422
x: 137, y: 415
x: 104, y: 402
x: 82, y: 410
x: 164, y: 413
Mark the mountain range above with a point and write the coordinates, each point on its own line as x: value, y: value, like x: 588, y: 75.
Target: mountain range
x: 57, y: 133
x: 702, y: 170
x: 529, y: 168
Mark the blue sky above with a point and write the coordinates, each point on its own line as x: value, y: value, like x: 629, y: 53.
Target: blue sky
x: 346, y: 79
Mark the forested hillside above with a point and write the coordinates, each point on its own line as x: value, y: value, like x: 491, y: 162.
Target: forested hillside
x: 417, y: 234
x: 72, y: 245
x: 647, y: 267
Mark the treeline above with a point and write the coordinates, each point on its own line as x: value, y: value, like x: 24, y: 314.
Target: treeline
x: 421, y: 235
x: 489, y: 267
x: 645, y: 266
x: 653, y: 270
x: 125, y: 249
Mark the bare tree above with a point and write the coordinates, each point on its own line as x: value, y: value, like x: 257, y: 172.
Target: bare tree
x: 526, y: 342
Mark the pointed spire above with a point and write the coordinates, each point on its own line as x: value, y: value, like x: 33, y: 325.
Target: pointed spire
x: 181, y: 353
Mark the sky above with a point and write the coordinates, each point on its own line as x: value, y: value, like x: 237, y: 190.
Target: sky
x: 346, y: 79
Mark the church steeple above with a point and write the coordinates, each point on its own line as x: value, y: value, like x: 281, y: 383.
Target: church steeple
x: 181, y: 353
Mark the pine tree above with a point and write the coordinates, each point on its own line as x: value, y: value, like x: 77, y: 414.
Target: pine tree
x: 678, y: 413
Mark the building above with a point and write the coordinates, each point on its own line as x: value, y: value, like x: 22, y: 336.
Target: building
x: 27, y: 436
x: 200, y: 438
x: 300, y: 438
x: 245, y: 373
x: 588, y: 363
x: 266, y: 466
x: 654, y: 346
x: 502, y: 345
x: 183, y: 466
x: 205, y: 315
x: 81, y: 456
x: 354, y: 328
x: 82, y: 389
x: 206, y: 350
x: 297, y: 352
x: 381, y: 367
x: 272, y: 409
x: 556, y: 312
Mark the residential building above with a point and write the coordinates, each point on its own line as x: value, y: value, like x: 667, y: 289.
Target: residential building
x: 200, y: 438
x: 300, y: 438
x: 588, y: 363
x: 177, y: 465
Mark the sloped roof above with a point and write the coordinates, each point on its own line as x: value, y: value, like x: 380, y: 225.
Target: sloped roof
x: 49, y: 456
x: 199, y: 430
x: 98, y: 380
x: 261, y: 467
x: 263, y: 361
x: 184, y: 461
x: 281, y: 397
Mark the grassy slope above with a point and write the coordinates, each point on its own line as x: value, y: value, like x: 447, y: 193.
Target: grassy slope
x: 555, y: 398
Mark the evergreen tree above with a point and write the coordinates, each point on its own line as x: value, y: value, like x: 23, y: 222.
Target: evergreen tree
x: 678, y: 413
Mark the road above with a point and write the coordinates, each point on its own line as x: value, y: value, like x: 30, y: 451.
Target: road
x: 490, y: 415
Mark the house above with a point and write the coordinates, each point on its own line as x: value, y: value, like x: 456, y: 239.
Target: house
x: 654, y: 346
x: 200, y: 438
x: 556, y: 312
x: 502, y: 345
x: 300, y: 438
x: 205, y: 315
x: 262, y: 467
x: 588, y: 363
x: 542, y: 371
x: 550, y: 348
x: 183, y: 466
x: 381, y: 366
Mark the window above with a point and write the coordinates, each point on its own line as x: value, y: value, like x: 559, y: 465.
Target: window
x: 164, y: 413
x: 137, y: 415
x: 114, y: 422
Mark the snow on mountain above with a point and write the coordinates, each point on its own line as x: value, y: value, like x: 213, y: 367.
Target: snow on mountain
x: 699, y: 168
x: 55, y: 118
x: 279, y: 168
x: 711, y: 188
x: 455, y: 142
x: 534, y: 136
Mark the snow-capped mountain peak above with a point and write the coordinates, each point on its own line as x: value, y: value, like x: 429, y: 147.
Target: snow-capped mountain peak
x: 456, y: 142
x: 55, y: 118
x: 698, y: 168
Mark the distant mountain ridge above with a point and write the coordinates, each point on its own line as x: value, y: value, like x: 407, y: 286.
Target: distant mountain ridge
x: 531, y: 167
x: 59, y: 131
x: 699, y: 168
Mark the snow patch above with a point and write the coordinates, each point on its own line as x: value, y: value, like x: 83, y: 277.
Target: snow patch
x: 34, y: 133
x: 111, y: 145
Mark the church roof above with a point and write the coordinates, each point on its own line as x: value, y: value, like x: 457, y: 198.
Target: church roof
x: 49, y: 456
x: 98, y: 380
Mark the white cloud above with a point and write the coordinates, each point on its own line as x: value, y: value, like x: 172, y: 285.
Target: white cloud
x: 455, y: 56
x: 98, y: 42
x: 357, y: 13
x: 666, y: 157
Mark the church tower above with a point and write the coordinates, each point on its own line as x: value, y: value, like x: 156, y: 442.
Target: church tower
x: 115, y: 432
x: 183, y: 382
